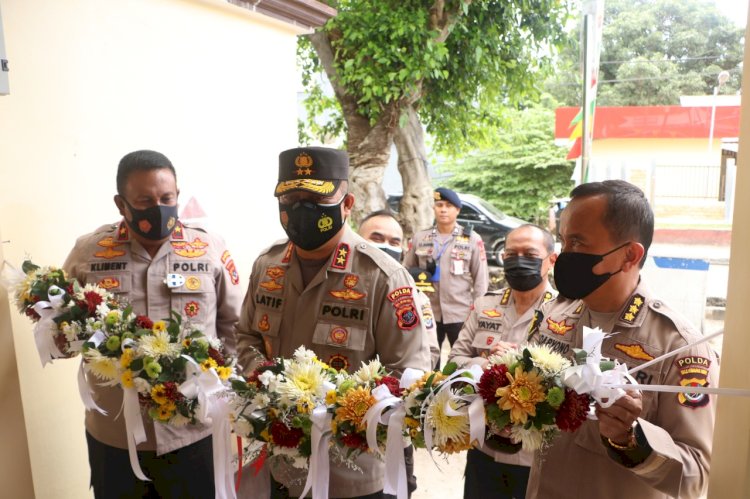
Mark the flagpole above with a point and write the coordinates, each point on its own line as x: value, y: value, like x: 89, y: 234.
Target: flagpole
x: 584, y: 106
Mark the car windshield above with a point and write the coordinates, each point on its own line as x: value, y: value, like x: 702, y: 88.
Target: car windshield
x: 490, y: 208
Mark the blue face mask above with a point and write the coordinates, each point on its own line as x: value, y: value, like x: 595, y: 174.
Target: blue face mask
x: 310, y: 225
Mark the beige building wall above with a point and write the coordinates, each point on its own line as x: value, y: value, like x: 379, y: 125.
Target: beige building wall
x: 689, y: 152
x: 210, y: 85
x: 730, y: 468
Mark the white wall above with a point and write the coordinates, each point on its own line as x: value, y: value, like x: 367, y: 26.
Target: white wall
x: 210, y: 85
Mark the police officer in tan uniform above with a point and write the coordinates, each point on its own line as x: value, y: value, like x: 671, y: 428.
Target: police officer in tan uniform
x: 648, y: 444
x: 499, y: 321
x: 328, y: 289
x: 455, y: 258
x: 158, y: 265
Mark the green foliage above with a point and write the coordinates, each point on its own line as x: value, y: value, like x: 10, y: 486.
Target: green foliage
x: 392, y: 52
x: 653, y: 52
x: 522, y: 171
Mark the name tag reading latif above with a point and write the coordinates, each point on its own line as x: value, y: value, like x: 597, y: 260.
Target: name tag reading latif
x: 174, y: 280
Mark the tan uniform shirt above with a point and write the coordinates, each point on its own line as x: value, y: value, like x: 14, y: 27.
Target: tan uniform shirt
x: 678, y: 428
x: 464, y: 276
x: 359, y: 306
x: 494, y: 319
x: 209, y: 298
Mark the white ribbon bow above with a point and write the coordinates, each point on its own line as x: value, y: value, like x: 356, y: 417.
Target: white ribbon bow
x: 212, y: 411
x: 134, y: 430
x: 45, y: 329
x: 317, y: 474
x: 390, y: 411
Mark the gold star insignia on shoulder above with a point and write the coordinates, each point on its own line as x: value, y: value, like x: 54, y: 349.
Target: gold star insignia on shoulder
x: 638, y: 301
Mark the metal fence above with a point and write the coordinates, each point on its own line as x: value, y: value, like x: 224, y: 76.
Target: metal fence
x: 679, y: 181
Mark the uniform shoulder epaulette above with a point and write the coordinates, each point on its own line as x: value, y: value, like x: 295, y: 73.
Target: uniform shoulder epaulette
x: 273, y: 245
x: 386, y: 263
x: 495, y: 292
x: 468, y: 230
x: 194, y: 226
x: 680, y: 322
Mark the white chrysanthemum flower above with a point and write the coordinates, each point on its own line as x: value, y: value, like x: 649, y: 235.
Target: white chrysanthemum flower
x: 261, y: 400
x: 302, y: 381
x: 292, y: 455
x: 531, y: 439
x: 178, y: 419
x: 158, y: 345
x: 446, y: 427
x: 71, y: 330
x: 106, y: 295
x: 303, y: 355
x: 269, y: 380
x: 368, y: 372
x: 103, y: 309
x: 547, y: 360
x: 105, y: 368
x: 410, y: 401
x: 243, y: 427
x: 215, y: 343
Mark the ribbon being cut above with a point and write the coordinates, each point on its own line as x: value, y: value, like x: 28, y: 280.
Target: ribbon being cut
x: 167, y: 369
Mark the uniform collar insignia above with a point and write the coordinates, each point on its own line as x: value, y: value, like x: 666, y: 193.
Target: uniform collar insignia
x: 632, y: 309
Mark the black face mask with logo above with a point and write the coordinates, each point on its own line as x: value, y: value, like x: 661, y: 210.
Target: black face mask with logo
x: 574, y: 275
x: 523, y: 273
x: 154, y: 223
x: 310, y: 225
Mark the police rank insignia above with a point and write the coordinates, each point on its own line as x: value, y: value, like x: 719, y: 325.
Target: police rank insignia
x: 192, y: 249
x: 560, y: 327
x: 493, y: 313
x: 402, y: 299
x: 304, y: 163
x: 633, y: 309
x: 634, y: 351
x: 349, y: 293
x: 506, y: 297
x: 693, y: 372
x: 192, y: 308
x: 123, y: 234
x: 340, y: 256
x: 110, y: 249
x: 275, y: 274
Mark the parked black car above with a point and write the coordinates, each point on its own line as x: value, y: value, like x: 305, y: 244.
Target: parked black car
x: 489, y: 222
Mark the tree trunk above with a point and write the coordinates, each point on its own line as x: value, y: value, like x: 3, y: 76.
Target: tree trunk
x: 415, y: 212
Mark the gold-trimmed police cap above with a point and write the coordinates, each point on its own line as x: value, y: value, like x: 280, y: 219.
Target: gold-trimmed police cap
x: 314, y: 169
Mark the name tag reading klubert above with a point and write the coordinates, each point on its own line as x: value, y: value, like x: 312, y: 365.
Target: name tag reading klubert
x: 174, y: 280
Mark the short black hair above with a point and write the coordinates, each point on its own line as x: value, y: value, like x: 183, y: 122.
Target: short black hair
x: 142, y: 160
x: 628, y: 215
x: 549, y: 240
x: 380, y: 213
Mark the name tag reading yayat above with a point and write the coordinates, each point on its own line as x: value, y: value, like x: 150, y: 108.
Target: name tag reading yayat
x: 174, y: 280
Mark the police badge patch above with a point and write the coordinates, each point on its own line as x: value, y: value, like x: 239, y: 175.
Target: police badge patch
x: 402, y: 299
x: 693, y: 372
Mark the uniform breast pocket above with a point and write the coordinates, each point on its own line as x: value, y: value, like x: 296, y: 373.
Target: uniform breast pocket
x: 484, y: 340
x: 340, y: 336
x: 117, y: 283
x: 196, y: 299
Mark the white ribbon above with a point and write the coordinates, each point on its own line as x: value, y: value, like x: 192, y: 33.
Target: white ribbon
x: 45, y: 329
x: 212, y: 411
x: 476, y: 417
x: 317, y: 474
x: 84, y: 390
x: 390, y: 411
x: 589, y: 378
x: 134, y: 430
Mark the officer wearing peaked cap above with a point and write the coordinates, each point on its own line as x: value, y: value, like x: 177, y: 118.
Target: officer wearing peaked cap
x: 326, y: 288
x: 455, y: 257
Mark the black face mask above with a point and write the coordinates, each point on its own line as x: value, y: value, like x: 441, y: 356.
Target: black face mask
x: 154, y: 223
x: 391, y: 251
x: 574, y: 276
x: 311, y: 225
x: 523, y: 272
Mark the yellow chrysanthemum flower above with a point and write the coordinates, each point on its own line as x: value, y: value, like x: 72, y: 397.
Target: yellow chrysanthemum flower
x: 411, y: 422
x: 304, y: 406
x: 224, y: 372
x: 165, y: 412
x: 331, y: 397
x: 521, y: 396
x: 447, y: 428
x: 453, y: 446
x: 208, y: 364
x: 266, y: 435
x: 159, y: 326
x: 127, y: 379
x: 126, y: 358
x: 186, y: 342
x: 159, y: 394
x: 354, y: 405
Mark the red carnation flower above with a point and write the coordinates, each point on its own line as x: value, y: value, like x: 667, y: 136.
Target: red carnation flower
x: 492, y: 379
x: 70, y: 289
x: 392, y: 384
x: 216, y: 355
x: 572, y: 412
x: 285, y: 436
x: 30, y: 312
x: 354, y: 441
x: 172, y: 391
x: 92, y: 300
x: 143, y: 322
